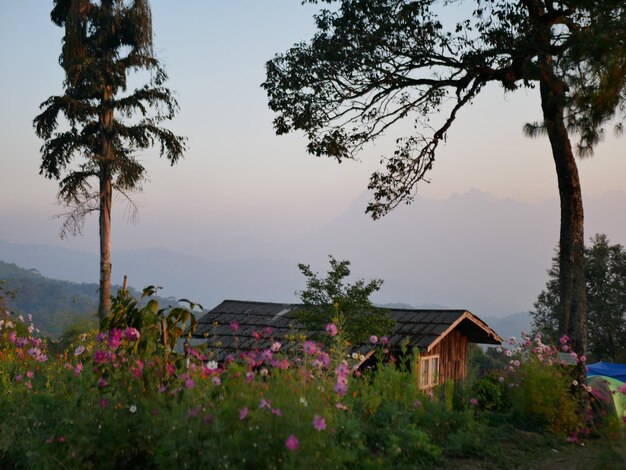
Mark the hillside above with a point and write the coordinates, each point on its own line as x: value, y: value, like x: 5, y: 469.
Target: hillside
x: 54, y: 304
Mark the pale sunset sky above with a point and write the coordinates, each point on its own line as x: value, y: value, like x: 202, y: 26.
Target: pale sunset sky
x: 238, y: 176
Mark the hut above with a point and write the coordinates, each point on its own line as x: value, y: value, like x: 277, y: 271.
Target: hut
x: 441, y: 336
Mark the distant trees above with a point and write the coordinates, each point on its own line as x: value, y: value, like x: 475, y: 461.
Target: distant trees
x: 605, y: 280
x: 373, y: 63
x: 331, y: 299
x: 95, y: 154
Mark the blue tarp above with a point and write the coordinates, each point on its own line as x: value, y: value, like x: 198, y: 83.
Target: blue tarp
x: 617, y: 371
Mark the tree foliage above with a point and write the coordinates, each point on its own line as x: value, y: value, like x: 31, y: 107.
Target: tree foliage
x: 605, y: 280
x: 373, y: 63
x: 332, y: 300
x: 95, y: 128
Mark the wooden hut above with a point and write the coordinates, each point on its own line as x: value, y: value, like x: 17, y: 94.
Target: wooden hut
x: 441, y: 336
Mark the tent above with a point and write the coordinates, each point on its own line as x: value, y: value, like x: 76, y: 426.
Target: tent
x: 609, y: 399
x: 607, y: 369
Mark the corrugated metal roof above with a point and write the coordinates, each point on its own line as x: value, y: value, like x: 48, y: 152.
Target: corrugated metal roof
x: 261, y: 323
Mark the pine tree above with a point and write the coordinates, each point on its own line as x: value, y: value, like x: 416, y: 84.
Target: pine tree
x: 94, y: 155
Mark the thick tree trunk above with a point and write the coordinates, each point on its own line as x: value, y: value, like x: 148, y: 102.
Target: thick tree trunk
x: 106, y: 193
x: 573, y: 321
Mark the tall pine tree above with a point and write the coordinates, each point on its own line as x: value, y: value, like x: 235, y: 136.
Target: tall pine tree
x: 94, y: 155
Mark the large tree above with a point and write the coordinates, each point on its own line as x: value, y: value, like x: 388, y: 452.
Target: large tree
x: 373, y: 63
x: 93, y: 152
x: 605, y: 281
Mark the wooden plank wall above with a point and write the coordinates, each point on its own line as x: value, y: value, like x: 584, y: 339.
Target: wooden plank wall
x: 452, y: 351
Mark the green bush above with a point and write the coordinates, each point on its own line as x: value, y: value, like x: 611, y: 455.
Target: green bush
x: 543, y: 399
x: 491, y: 393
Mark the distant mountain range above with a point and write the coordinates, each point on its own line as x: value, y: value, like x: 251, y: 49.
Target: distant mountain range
x: 56, y: 305
x: 471, y: 251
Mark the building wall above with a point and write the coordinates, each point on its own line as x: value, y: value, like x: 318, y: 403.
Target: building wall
x: 452, y: 351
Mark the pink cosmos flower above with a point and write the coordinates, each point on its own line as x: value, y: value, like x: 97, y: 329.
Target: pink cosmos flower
x: 319, y: 423
x: 341, y: 388
x: 265, y: 404
x: 102, y: 382
x: 342, y: 370
x: 100, y: 356
x: 234, y: 326
x: 373, y: 339
x: 331, y: 329
x: 292, y: 443
x: 79, y: 350
x: 277, y: 412
x: 267, y: 355
x: 243, y: 413
x: 473, y: 401
x: 30, y: 374
x: 78, y: 369
x: 115, y: 338
x: 564, y: 339
x: 189, y: 383
x: 275, y: 347
x: 384, y: 341
x: 583, y: 358
x: 267, y: 331
x: 216, y: 381
x: 256, y: 335
x: 309, y: 348
x: 132, y: 334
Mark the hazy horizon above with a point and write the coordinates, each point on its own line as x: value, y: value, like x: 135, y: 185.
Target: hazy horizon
x: 242, y: 189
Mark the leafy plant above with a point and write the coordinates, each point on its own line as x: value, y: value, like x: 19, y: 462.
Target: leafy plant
x: 332, y: 300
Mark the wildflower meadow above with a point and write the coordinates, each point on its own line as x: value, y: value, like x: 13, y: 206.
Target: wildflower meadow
x: 132, y: 396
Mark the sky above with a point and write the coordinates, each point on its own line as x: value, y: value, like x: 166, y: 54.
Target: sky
x: 238, y: 178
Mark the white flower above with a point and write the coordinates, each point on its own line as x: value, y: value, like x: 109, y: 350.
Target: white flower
x: 132, y: 408
x: 79, y: 350
x: 211, y: 365
x: 303, y: 401
x: 275, y: 347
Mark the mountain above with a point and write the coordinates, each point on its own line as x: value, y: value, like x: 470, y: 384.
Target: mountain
x: 510, y: 325
x: 53, y: 304
x: 472, y: 251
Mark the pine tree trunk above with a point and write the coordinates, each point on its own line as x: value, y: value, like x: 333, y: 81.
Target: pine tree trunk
x: 106, y: 193
x: 573, y: 321
x: 104, y: 306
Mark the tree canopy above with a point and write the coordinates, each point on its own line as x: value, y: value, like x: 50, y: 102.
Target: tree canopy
x: 605, y: 279
x: 373, y: 63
